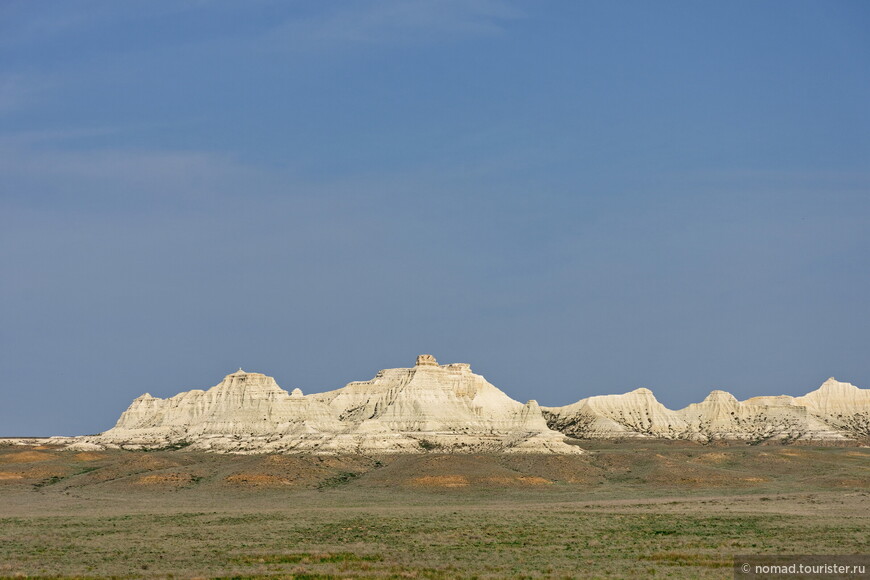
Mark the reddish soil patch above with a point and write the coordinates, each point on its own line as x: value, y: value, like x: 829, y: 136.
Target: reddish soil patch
x: 714, y: 458
x: 521, y: 480
x: 26, y: 457
x: 88, y: 456
x: 440, y: 481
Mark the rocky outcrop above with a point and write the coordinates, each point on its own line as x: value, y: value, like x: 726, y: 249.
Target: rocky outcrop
x: 452, y: 408
x: 835, y: 412
x: 634, y: 414
x: 840, y: 405
x: 433, y: 407
x: 245, y: 411
x: 418, y: 409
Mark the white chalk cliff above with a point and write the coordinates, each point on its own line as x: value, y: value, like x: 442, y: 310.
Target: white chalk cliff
x: 408, y: 410
x: 243, y: 411
x: 448, y: 408
x: 834, y: 412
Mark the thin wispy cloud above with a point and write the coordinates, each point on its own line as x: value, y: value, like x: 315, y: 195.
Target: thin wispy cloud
x: 395, y: 22
x: 20, y: 24
x: 30, y: 175
x: 18, y: 91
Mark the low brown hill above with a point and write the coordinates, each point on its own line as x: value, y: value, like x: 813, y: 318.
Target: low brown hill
x: 644, y: 468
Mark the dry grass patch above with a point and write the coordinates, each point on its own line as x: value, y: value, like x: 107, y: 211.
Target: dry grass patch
x: 171, y: 479
x: 26, y: 457
x: 88, y: 456
x: 308, y: 558
x: 258, y: 480
x: 794, y: 453
x: 46, y: 472
x: 683, y: 559
x: 714, y: 458
x: 440, y: 481
x: 846, y: 482
x: 521, y: 480
x: 429, y: 516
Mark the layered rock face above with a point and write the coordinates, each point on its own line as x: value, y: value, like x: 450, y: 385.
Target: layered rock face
x: 834, y: 412
x: 243, y: 411
x: 426, y: 407
x: 432, y: 407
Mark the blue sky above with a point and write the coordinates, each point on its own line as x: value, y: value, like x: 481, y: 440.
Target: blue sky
x: 578, y: 198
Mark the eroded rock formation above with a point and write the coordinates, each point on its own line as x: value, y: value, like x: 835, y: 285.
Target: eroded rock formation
x: 432, y: 407
x: 425, y: 407
x: 834, y: 412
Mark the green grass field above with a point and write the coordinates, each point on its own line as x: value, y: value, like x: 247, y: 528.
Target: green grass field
x: 623, y: 510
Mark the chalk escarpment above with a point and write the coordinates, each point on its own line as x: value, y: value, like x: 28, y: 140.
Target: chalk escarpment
x: 834, y: 412
x: 433, y: 407
x: 425, y: 407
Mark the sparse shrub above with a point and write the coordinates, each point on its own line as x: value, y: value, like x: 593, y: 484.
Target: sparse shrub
x: 339, y: 479
x: 428, y: 445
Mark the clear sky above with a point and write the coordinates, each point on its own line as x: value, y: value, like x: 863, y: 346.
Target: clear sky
x: 577, y: 198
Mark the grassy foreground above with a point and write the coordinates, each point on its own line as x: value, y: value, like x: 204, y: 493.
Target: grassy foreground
x: 623, y: 510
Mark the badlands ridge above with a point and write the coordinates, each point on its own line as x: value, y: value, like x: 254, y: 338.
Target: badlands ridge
x: 448, y: 408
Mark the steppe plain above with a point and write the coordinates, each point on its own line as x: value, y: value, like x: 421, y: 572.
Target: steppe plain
x: 624, y: 509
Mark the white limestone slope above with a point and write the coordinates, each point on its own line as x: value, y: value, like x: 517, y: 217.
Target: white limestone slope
x: 445, y: 407
x: 835, y: 412
x: 634, y: 414
x: 840, y: 405
x: 426, y: 407
x: 244, y: 411
x: 432, y: 407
